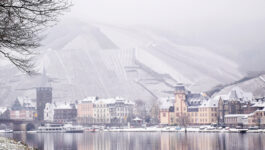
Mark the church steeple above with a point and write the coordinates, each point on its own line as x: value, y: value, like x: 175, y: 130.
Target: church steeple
x: 44, y: 82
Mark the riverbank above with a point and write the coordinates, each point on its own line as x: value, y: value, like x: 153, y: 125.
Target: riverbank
x: 7, y: 144
x: 172, y: 129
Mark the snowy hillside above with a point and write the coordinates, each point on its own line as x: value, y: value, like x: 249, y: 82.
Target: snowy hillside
x: 84, y: 59
x: 256, y: 86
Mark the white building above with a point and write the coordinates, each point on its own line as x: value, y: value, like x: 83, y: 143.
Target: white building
x: 49, y: 112
x: 236, y: 119
x: 113, y: 110
x: 101, y: 111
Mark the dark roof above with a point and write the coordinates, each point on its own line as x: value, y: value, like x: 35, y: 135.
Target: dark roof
x: 179, y: 88
x: 171, y: 109
x: 195, y: 99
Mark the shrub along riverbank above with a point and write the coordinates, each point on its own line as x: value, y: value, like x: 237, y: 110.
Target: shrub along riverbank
x: 7, y: 144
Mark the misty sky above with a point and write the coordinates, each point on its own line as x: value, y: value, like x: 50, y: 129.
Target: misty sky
x: 234, y: 28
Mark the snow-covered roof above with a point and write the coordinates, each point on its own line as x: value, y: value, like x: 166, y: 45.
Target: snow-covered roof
x: 114, y: 100
x: 63, y: 106
x: 89, y: 99
x: 210, y: 103
x: 26, y: 102
x: 195, y: 99
x: 258, y: 104
x: 166, y: 102
x: 236, y: 115
x: 105, y: 101
x: 3, y: 109
x: 137, y: 119
x: 166, y: 105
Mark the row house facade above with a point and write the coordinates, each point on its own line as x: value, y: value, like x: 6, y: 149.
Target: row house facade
x: 113, y: 111
x: 85, y: 111
x: 101, y: 112
x: 92, y: 110
x: 121, y: 111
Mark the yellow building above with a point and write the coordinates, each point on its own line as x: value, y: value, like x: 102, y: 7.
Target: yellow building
x: 166, y: 113
x: 189, y: 109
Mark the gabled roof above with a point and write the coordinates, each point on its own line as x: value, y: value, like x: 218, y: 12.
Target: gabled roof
x: 26, y: 102
x: 3, y: 110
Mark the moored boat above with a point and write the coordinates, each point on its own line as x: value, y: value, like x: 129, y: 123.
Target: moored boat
x: 69, y: 128
x: 51, y: 128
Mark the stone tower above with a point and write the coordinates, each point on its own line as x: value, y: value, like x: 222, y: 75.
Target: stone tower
x: 43, y: 95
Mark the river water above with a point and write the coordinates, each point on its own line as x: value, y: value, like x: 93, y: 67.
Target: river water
x: 142, y: 141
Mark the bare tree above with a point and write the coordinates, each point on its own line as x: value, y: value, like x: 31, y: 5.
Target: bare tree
x: 257, y: 120
x: 183, y: 121
x: 20, y: 24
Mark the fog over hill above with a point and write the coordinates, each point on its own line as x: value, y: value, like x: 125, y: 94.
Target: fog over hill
x: 85, y: 59
x: 142, y: 49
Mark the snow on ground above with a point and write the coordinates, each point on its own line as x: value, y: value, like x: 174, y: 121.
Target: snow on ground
x: 9, y: 144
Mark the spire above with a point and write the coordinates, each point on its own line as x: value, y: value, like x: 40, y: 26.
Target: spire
x: 44, y: 82
x: 44, y: 71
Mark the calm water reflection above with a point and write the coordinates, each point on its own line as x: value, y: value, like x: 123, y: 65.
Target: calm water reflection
x: 143, y: 141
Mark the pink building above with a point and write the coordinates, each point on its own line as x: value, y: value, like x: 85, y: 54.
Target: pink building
x: 85, y: 111
x: 22, y: 114
x: 23, y: 109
